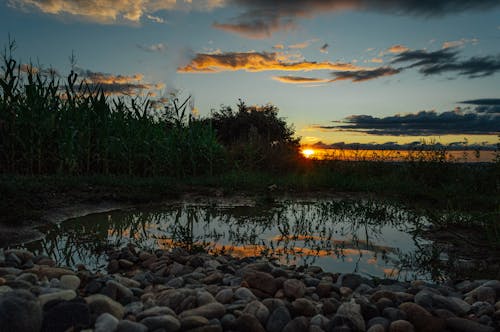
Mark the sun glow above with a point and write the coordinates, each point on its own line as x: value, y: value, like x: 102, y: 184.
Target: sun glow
x: 308, y: 153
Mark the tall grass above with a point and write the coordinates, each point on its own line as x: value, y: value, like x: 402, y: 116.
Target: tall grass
x: 49, y: 127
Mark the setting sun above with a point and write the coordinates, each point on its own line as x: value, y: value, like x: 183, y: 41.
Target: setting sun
x: 308, y: 153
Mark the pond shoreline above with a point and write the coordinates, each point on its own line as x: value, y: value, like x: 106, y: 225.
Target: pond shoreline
x: 179, y: 291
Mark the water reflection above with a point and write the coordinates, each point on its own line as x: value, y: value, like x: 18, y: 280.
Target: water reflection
x: 340, y: 236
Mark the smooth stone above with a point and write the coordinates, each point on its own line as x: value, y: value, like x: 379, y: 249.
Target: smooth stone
x: 394, y: 314
x: 64, y: 295
x: 129, y: 326
x: 99, y: 304
x: 324, y: 288
x: 379, y: 321
x: 106, y: 323
x: 29, y: 277
x: 463, y: 307
x: 210, y: 310
x: 203, y: 297
x: 298, y: 324
x: 257, y: 309
x: 248, y: 323
x: 294, y: 288
x: 176, y: 282
x: 244, y: 294
x: 262, y: 281
x: 278, y: 319
x: 482, y: 308
x: 465, y: 325
x: 272, y: 303
x: 443, y: 313
x: 304, y: 307
x: 319, y: 320
x: 65, y: 315
x: 69, y: 281
x: 167, y: 322
x: 376, y: 328
x: 5, y: 289
x: 421, y: 319
x: 155, y: 311
x: 401, y: 326
x: 192, y: 322
x: 350, y: 280
x: 224, y: 296
x: 20, y: 312
x: 352, y: 311
x: 134, y: 308
x: 121, y: 293
x: 486, y: 294
x: 50, y: 272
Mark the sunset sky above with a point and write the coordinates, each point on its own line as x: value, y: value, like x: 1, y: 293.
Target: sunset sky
x: 339, y: 70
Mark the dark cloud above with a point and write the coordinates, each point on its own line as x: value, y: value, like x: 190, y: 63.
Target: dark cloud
x: 420, y: 145
x: 324, y: 48
x: 423, y: 123
x: 365, y: 75
x: 447, y: 61
x: 487, y: 105
x: 260, y: 18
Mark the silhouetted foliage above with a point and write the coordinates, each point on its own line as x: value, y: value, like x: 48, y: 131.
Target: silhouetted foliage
x: 255, y: 137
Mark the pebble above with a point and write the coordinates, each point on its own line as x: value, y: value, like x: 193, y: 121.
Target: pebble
x: 178, y: 291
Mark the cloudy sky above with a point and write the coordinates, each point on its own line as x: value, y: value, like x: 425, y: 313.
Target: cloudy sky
x: 339, y: 70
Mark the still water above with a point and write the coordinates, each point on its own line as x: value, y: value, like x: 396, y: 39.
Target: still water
x: 369, y: 238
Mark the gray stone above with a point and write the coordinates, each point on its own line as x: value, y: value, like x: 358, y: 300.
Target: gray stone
x: 129, y: 326
x: 320, y: 320
x: 379, y: 321
x: 294, y: 288
x: 278, y: 319
x: 121, y: 293
x: 192, y: 322
x: 210, y: 310
x: 99, y: 304
x: 244, y: 294
x: 66, y: 295
x: 106, y: 323
x: 224, y: 296
x: 394, y: 314
x: 401, y: 326
x: 304, y: 307
x: 65, y: 315
x: 352, y: 311
x: 482, y: 308
x: 203, y: 297
x: 376, y: 328
x: 465, y: 325
x: 20, y: 312
x: 248, y: 323
x: 259, y: 310
x: 155, y: 311
x: 298, y: 324
x: 167, y: 322
x: 69, y: 281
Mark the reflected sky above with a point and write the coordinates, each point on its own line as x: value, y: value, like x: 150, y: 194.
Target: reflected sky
x: 340, y: 236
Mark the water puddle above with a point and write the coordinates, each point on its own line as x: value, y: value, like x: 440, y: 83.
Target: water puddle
x: 364, y: 237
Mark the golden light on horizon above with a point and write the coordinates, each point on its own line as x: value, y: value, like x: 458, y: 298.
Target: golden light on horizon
x: 308, y: 153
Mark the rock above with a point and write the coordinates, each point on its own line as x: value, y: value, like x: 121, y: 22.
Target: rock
x: 482, y: 308
x: 424, y: 299
x: 304, y: 307
x: 345, y: 291
x: 486, y: 294
x: 129, y: 326
x: 298, y: 324
x: 99, y: 304
x: 376, y: 328
x: 324, y: 288
x: 192, y: 322
x: 294, y: 288
x: 50, y: 272
x: 29, y: 277
x: 119, y: 292
x: 65, y: 315
x: 176, y: 282
x: 248, y: 323
x: 443, y: 313
x: 460, y: 307
x: 421, y: 319
x: 350, y: 280
x: 224, y: 296
x: 69, y: 281
x: 466, y: 325
x: 20, y: 312
x: 5, y: 289
x: 352, y: 312
x: 384, y: 322
x: 262, y: 281
x: 204, y: 297
x: 210, y: 310
x: 125, y: 263
x: 394, y: 314
x: 106, y: 323
x: 401, y: 326
x: 65, y: 295
x: 330, y: 305
x: 278, y: 319
x: 213, y: 278
x: 166, y: 322
x: 244, y: 294
x: 320, y: 320
x: 155, y: 311
x: 259, y: 310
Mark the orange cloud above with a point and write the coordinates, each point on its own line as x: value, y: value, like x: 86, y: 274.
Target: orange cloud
x: 397, y: 49
x: 257, y: 62
x: 458, y: 43
x: 299, y: 79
